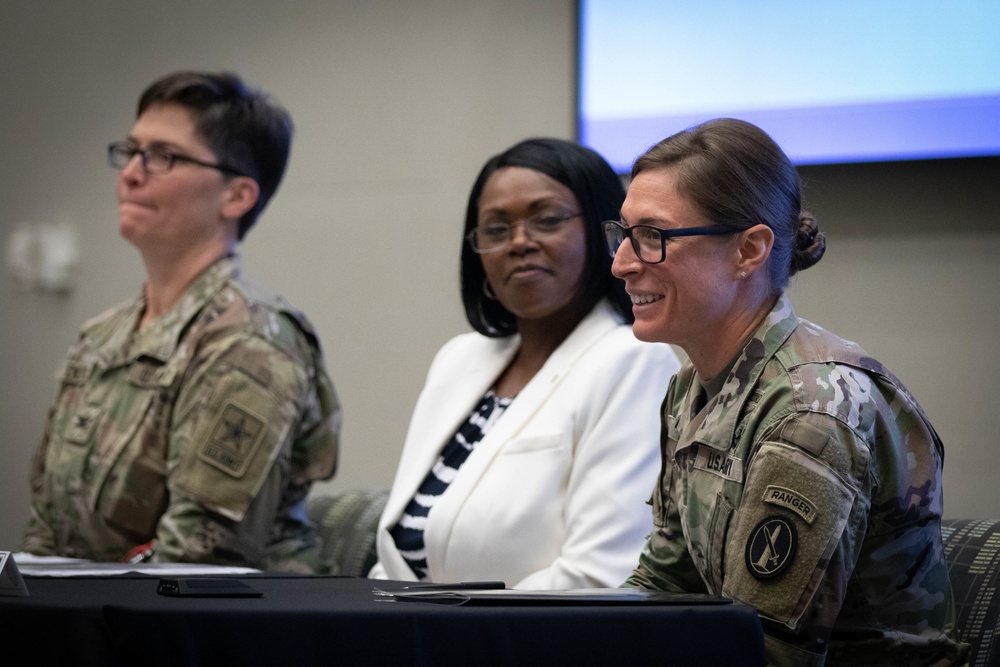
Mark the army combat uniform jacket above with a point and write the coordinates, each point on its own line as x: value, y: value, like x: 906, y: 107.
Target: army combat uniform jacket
x: 808, y: 487
x: 202, y: 431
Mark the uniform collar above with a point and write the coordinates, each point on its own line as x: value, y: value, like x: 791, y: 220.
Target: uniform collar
x: 161, y: 337
x: 722, y: 413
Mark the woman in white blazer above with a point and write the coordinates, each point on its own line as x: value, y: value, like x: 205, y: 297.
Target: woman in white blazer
x: 534, y: 445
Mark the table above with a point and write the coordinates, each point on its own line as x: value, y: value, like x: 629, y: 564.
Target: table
x: 306, y: 620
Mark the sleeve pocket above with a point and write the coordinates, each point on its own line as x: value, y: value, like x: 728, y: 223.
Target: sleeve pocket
x: 792, y: 516
x: 233, y: 444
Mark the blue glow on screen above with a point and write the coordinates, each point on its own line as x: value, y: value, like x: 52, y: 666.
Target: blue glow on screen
x: 831, y: 81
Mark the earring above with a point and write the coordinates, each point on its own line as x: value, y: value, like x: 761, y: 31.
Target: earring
x: 488, y: 291
x: 743, y: 274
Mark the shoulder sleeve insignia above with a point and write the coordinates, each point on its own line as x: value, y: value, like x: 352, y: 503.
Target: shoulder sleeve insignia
x: 234, y: 439
x: 771, y: 547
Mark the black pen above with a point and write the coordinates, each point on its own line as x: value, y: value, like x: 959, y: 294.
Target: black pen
x: 460, y: 586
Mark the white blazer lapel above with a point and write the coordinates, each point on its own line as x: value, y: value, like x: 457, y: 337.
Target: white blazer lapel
x: 531, y: 399
x: 461, y: 383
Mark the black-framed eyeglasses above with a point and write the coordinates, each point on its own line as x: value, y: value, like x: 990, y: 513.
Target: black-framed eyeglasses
x: 650, y: 243
x: 496, y: 236
x: 157, y: 160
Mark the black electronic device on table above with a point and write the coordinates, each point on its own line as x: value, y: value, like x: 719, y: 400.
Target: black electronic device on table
x: 207, y: 587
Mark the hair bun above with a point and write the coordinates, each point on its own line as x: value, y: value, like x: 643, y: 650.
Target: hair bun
x: 810, y: 243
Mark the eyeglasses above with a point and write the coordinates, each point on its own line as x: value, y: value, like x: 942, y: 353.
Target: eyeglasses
x: 496, y: 236
x: 157, y: 160
x: 650, y: 243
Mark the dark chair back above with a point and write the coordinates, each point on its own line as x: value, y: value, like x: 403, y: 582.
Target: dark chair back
x: 346, y: 521
x: 972, y: 549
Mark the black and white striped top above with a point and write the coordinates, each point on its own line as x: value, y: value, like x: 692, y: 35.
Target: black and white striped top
x: 408, y: 534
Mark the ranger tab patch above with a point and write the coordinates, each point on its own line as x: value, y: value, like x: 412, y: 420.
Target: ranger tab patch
x: 771, y: 547
x: 791, y: 500
x: 235, y: 438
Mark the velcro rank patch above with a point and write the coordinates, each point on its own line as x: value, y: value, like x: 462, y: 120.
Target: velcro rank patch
x: 81, y: 425
x: 791, y: 500
x: 235, y: 438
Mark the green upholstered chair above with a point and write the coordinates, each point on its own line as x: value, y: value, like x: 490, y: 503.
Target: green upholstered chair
x: 346, y: 521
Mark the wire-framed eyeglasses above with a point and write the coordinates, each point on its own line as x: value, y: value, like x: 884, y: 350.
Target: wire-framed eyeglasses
x: 496, y: 236
x: 157, y: 160
x: 650, y: 243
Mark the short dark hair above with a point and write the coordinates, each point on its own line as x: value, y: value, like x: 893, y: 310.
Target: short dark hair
x: 739, y: 177
x: 242, y: 126
x: 600, y: 194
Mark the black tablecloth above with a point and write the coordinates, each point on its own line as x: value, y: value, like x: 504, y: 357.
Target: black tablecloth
x: 121, y: 620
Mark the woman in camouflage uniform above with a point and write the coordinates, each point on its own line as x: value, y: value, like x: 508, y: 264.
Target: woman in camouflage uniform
x: 192, y: 420
x: 799, y: 475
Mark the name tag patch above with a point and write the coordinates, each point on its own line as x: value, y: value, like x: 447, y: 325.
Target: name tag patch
x: 75, y: 373
x: 150, y: 375
x: 718, y: 463
x: 142, y: 375
x: 791, y: 500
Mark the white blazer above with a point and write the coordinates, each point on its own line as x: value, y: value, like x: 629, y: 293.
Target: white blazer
x: 554, y: 496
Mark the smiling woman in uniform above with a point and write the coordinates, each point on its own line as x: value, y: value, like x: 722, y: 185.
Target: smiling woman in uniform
x: 800, y: 475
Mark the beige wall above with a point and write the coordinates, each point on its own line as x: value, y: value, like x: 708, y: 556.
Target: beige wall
x: 397, y: 105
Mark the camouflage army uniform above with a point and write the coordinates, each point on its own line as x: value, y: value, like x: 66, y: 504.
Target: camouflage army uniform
x: 203, y: 430
x: 808, y: 487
